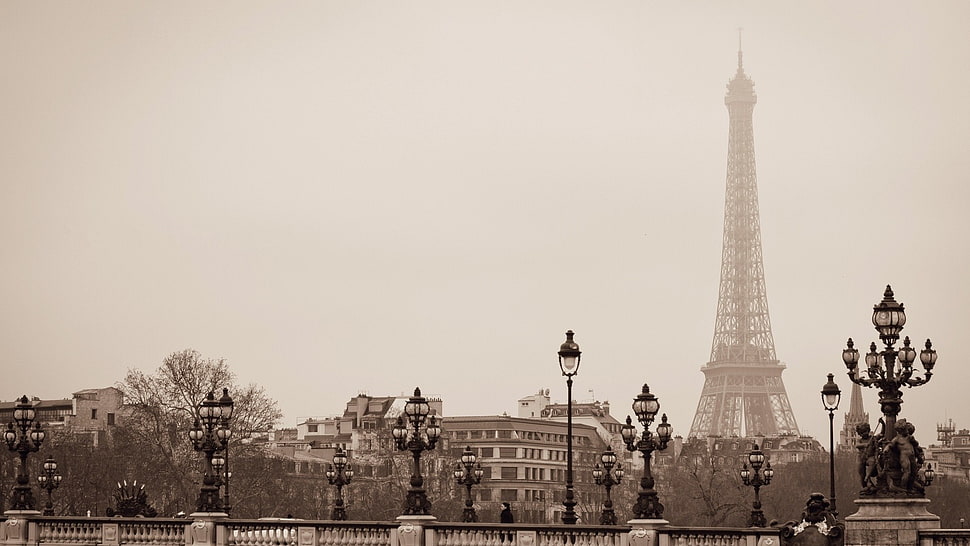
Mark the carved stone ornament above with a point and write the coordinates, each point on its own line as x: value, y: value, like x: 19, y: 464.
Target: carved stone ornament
x: 817, y: 527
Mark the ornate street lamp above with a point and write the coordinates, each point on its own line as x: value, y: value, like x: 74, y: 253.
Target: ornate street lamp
x: 608, y: 475
x: 23, y: 439
x: 831, y: 396
x: 210, y: 434
x: 225, y: 473
x: 340, y: 475
x: 646, y: 406
x: 757, y: 478
x: 888, y: 317
x: 419, y: 433
x: 468, y: 472
x: 49, y: 480
x: 569, y: 355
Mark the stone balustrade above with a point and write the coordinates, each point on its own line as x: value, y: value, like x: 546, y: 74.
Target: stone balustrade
x: 31, y: 530
x: 944, y: 537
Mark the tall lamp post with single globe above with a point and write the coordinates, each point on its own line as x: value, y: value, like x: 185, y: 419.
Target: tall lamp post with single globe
x: 419, y: 433
x: 831, y: 396
x: 608, y: 475
x: 23, y: 439
x: 49, y: 479
x: 646, y: 406
x: 225, y: 472
x: 757, y: 478
x: 339, y: 475
x: 210, y: 434
x: 569, y: 355
x: 468, y: 472
x: 888, y: 370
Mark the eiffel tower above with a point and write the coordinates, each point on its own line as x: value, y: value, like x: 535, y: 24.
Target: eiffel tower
x: 743, y: 378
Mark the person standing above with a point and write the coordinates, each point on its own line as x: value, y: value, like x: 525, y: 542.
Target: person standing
x: 506, y: 515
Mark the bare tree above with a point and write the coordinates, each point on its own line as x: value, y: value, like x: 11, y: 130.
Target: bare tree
x: 162, y: 407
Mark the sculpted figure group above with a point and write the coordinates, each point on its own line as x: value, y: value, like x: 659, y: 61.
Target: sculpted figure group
x: 890, y: 466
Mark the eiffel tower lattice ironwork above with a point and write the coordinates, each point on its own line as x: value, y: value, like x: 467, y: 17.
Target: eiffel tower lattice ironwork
x: 743, y: 382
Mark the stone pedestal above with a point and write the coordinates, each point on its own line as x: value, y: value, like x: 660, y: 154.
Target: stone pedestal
x: 645, y: 532
x: 888, y: 521
x: 203, y: 530
x: 410, y: 532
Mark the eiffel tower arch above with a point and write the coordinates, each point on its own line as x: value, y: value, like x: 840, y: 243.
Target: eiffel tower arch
x: 743, y: 394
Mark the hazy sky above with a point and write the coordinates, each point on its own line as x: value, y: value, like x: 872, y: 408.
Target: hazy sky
x: 372, y: 196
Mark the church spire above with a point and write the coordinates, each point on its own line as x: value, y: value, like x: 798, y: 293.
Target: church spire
x: 848, y: 437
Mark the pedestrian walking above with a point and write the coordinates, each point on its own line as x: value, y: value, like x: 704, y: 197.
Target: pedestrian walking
x: 506, y: 515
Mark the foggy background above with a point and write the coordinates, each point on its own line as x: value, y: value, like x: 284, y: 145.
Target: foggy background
x: 344, y: 197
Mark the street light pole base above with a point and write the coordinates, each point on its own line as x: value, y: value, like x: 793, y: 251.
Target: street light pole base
x: 608, y: 517
x: 468, y: 515
x: 569, y: 516
x: 648, y: 506
x: 416, y: 503
x: 757, y: 519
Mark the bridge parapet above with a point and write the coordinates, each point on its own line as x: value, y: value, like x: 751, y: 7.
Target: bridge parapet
x: 944, y: 537
x: 121, y: 531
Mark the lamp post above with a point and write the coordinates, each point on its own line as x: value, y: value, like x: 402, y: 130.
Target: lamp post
x: 757, y: 478
x: 419, y: 433
x: 210, y: 434
x: 646, y: 406
x: 831, y: 396
x: 888, y: 317
x: 49, y: 479
x: 339, y: 475
x: 569, y: 355
x: 23, y: 439
x: 468, y: 472
x: 608, y: 475
x: 228, y: 406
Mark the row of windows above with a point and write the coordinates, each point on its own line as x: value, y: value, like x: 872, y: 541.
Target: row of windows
x: 538, y: 474
x: 547, y: 437
x: 535, y: 454
x: 534, y: 495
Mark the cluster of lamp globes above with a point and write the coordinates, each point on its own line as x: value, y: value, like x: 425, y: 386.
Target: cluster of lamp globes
x: 408, y: 435
x: 214, y: 427
x: 23, y: 415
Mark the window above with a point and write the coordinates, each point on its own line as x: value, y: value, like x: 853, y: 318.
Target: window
x: 505, y: 434
x: 509, y: 473
x: 506, y: 452
x: 508, y: 494
x: 311, y: 428
x: 94, y: 413
x: 484, y: 494
x: 488, y: 452
x: 111, y: 419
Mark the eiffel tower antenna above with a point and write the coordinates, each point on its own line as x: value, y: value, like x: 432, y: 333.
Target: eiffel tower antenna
x: 743, y: 392
x: 740, y: 63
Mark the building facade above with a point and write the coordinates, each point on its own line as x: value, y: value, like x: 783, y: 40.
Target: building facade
x: 90, y: 411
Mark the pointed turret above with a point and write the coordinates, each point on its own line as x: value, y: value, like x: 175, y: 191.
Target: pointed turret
x: 857, y: 415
